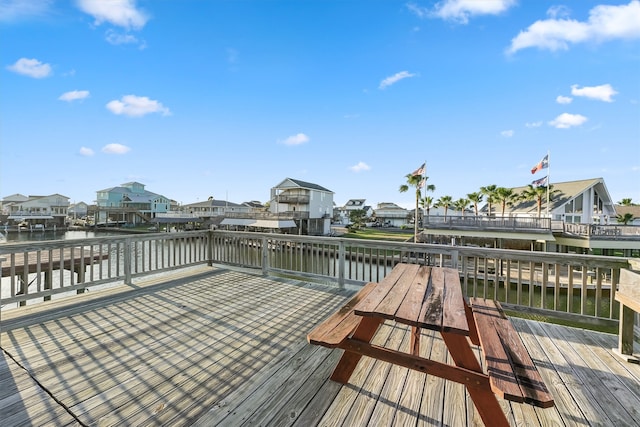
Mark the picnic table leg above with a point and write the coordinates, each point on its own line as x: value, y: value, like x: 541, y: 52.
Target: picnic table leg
x: 485, y: 401
x: 415, y: 341
x: 364, y: 332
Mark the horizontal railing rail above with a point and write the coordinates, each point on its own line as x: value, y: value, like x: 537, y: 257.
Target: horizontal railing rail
x: 611, y: 231
x: 580, y: 287
x: 520, y: 223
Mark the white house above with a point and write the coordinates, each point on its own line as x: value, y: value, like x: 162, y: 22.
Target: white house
x: 46, y: 210
x: 391, y: 214
x: 310, y: 205
x: 342, y: 213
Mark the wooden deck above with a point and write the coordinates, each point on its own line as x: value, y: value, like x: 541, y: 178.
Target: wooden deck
x: 214, y: 347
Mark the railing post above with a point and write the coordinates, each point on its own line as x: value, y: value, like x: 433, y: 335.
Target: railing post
x: 341, y: 263
x: 210, y: 248
x: 127, y: 261
x: 454, y: 258
x: 265, y: 256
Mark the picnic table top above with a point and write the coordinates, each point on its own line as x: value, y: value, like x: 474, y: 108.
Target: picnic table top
x: 421, y: 296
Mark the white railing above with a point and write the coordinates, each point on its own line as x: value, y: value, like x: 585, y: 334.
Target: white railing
x: 580, y: 287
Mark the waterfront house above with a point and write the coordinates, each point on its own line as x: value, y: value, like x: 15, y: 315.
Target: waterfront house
x: 390, y: 214
x: 41, y: 211
x: 78, y: 210
x: 580, y: 216
x: 309, y: 205
x: 130, y: 203
x: 341, y: 214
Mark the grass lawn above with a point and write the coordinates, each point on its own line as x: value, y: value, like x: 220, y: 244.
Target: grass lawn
x: 380, y: 234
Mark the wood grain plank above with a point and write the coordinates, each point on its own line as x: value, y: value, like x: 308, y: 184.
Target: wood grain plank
x: 331, y: 332
x: 502, y: 378
x: 369, y: 304
x: 454, y: 314
x: 412, y: 305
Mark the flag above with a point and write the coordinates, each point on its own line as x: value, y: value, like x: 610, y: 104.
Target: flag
x: 420, y: 170
x: 423, y: 181
x: 542, y: 182
x: 544, y: 163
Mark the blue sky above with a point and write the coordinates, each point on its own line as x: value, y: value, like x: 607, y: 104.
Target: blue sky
x: 227, y: 98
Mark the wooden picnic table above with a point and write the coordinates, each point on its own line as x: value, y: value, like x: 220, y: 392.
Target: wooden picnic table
x: 431, y: 298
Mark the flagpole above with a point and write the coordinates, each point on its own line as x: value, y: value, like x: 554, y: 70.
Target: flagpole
x: 548, y: 181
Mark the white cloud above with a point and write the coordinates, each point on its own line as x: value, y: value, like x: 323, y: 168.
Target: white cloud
x: 115, y: 149
x: 395, y: 78
x: 136, y: 106
x: 11, y: 10
x: 564, y: 99
x: 461, y: 10
x: 605, y: 23
x: 601, y: 93
x: 86, y: 152
x: 232, y: 55
x: 359, y: 167
x: 30, y: 67
x: 117, y: 38
x: 533, y: 124
x: 296, y: 139
x: 74, y: 95
x: 122, y: 13
x: 507, y: 133
x: 566, y: 120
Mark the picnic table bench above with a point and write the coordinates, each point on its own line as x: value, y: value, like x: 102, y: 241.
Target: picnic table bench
x: 628, y: 295
x: 431, y: 298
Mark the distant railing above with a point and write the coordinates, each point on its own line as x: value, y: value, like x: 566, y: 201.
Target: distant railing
x: 613, y: 231
x: 579, y: 287
x: 482, y: 222
x: 268, y: 215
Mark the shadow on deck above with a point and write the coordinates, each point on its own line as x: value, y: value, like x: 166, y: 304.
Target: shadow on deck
x: 223, y: 347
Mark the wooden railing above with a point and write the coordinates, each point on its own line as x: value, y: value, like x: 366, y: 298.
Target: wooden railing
x: 580, y: 287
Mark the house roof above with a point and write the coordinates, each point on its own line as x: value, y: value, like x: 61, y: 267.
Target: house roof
x: 212, y: 204
x: 353, y: 203
x: 633, y: 210
x: 564, y: 192
x: 304, y: 184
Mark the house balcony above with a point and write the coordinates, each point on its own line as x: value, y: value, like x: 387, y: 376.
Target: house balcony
x: 293, y: 199
x: 201, y: 328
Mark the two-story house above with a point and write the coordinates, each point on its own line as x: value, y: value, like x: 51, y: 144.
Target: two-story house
x: 309, y: 205
x: 129, y: 203
x: 342, y: 214
x: 36, y: 210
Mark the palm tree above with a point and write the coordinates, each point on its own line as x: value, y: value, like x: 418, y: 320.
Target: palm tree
x: 475, y: 198
x: 461, y: 205
x: 505, y: 196
x: 445, y: 202
x: 417, y: 181
x: 426, y: 203
x: 626, y: 202
x: 490, y: 192
x: 625, y: 219
x: 538, y: 194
